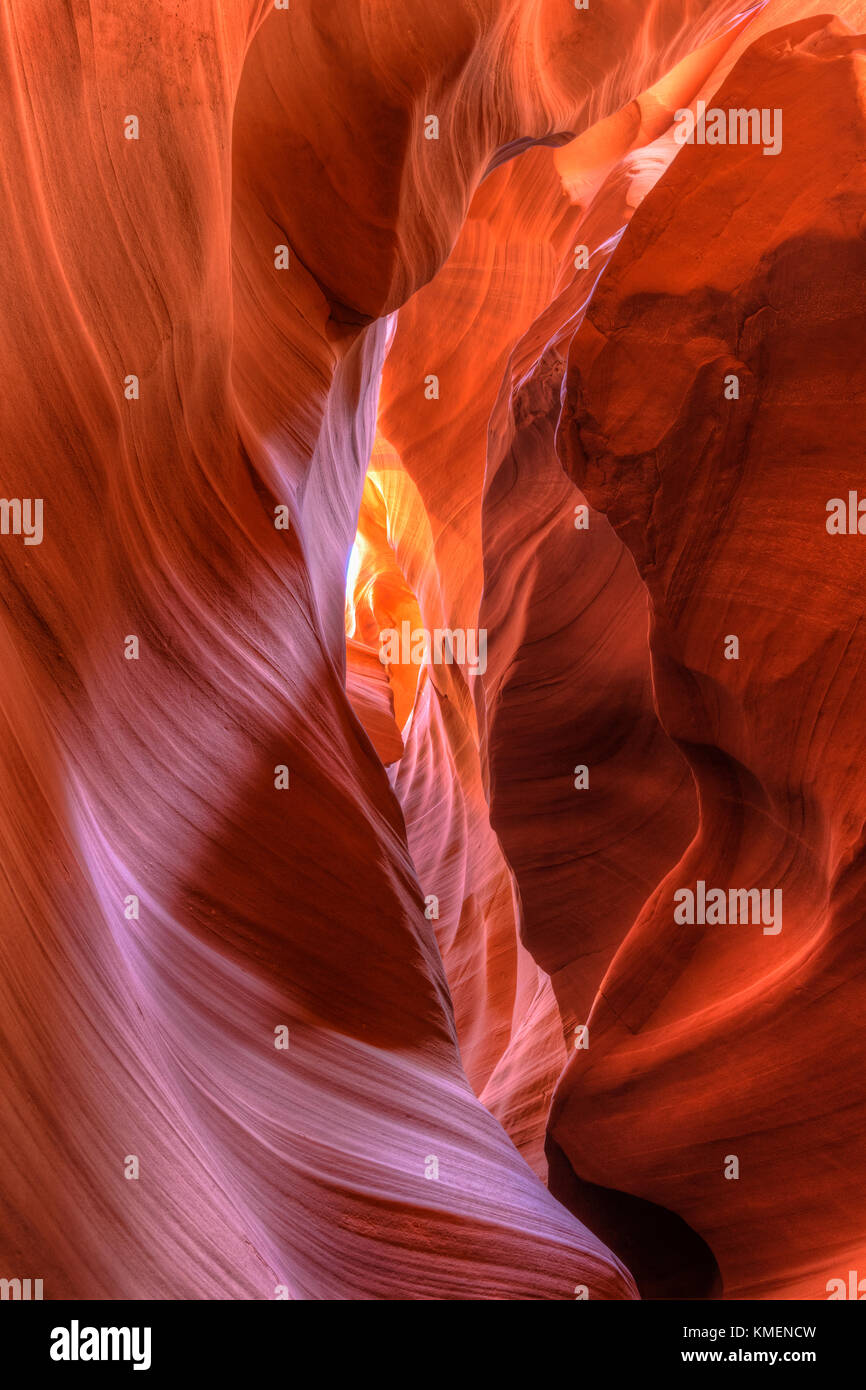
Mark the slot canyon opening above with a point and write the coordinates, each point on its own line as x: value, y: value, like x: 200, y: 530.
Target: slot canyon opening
x: 666, y: 1257
x: 379, y: 599
x: 398, y: 637
x: 418, y: 706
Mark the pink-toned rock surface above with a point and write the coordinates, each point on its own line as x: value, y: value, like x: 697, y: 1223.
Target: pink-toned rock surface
x: 227, y: 824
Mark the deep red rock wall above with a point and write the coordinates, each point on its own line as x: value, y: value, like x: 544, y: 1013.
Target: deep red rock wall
x: 356, y: 974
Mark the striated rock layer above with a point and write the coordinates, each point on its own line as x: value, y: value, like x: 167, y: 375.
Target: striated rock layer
x: 299, y: 944
x: 728, y: 1031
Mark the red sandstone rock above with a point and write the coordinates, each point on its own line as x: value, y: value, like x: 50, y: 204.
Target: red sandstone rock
x: 238, y: 827
x: 737, y: 264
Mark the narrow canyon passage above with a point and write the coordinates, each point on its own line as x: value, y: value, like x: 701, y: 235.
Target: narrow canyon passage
x: 486, y: 532
x: 433, y: 851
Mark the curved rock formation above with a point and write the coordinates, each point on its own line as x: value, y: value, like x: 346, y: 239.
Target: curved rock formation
x: 726, y: 1029
x: 328, y: 323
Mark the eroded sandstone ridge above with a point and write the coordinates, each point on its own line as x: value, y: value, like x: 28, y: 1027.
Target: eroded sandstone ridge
x: 331, y: 970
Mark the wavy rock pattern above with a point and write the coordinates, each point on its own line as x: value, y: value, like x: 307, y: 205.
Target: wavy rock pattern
x: 689, y: 1020
x: 310, y: 935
